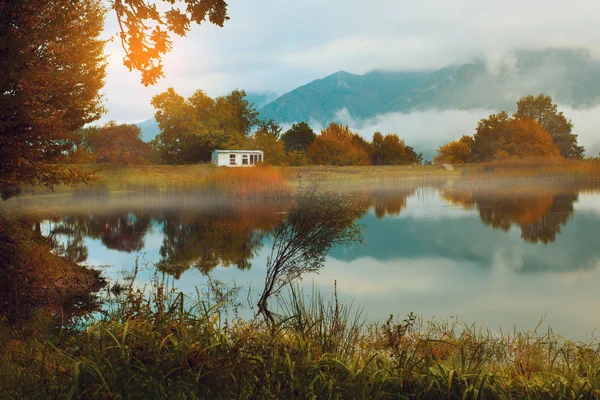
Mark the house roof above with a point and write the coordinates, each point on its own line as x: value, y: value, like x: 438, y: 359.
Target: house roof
x: 238, y: 151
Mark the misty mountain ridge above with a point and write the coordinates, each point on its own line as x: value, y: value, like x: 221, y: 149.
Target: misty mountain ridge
x: 570, y: 76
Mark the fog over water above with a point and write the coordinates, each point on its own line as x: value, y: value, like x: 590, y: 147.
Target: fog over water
x: 500, y: 258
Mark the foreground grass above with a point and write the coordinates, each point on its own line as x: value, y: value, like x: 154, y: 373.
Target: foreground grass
x: 166, y: 347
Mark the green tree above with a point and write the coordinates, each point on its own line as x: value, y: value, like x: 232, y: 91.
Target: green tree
x: 192, y: 128
x: 298, y: 137
x: 236, y: 114
x: 53, y: 66
x: 490, y: 136
x: 391, y: 150
x: 264, y: 140
x: 180, y: 139
x: 272, y: 127
x: 545, y: 112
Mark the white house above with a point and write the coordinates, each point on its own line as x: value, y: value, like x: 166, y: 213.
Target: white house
x: 237, y: 158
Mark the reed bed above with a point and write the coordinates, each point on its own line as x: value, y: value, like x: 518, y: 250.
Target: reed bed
x: 539, y: 168
x: 207, y: 179
x: 168, y: 346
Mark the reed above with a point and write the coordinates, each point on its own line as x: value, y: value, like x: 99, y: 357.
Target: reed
x: 539, y: 168
x: 158, y: 343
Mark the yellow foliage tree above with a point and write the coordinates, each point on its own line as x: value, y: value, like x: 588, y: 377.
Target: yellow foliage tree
x: 337, y: 145
x: 455, y: 152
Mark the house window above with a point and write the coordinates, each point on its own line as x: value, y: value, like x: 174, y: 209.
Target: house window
x: 245, y: 159
x: 232, y: 159
x: 259, y: 157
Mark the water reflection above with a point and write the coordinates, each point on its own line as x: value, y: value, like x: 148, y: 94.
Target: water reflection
x: 222, y: 235
x: 123, y: 231
x: 495, y: 255
x: 204, y: 240
x: 540, y: 212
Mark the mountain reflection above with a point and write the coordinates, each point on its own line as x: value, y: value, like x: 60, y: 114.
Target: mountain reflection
x: 540, y: 212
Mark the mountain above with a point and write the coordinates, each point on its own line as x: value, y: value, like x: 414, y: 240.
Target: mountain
x: 261, y: 99
x: 570, y: 76
x: 149, y: 129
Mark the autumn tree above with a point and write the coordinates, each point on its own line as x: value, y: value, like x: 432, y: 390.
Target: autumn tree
x: 298, y: 137
x: 145, y: 29
x: 501, y: 136
x: 117, y: 143
x: 455, y: 152
x: 53, y: 66
x: 545, y: 112
x: 526, y: 138
x: 337, y: 145
x: 391, y: 150
x: 490, y: 136
x: 266, y: 141
x: 192, y: 128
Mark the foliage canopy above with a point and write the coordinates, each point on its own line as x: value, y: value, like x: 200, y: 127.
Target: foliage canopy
x: 337, y: 145
x: 145, y: 29
x: 192, y: 128
x: 545, y: 112
x: 53, y: 66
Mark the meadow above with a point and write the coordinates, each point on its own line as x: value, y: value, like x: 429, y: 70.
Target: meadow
x: 267, y: 181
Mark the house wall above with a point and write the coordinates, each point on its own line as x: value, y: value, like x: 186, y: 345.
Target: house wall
x: 223, y: 160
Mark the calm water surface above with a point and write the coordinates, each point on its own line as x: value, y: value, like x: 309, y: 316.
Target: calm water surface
x: 501, y: 257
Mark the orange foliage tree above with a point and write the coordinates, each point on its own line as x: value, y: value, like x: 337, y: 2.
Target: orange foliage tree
x: 502, y: 136
x: 118, y: 144
x: 527, y: 138
x: 337, y: 145
x: 455, y: 152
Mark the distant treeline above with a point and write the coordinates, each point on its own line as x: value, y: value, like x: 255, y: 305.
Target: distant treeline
x: 190, y: 129
x: 536, y: 129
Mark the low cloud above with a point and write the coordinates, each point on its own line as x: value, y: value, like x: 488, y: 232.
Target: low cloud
x: 423, y: 130
x: 427, y: 130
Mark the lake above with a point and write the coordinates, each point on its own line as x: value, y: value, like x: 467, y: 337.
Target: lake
x: 499, y: 256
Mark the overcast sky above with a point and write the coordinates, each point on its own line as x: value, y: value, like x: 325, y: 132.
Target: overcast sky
x: 276, y: 45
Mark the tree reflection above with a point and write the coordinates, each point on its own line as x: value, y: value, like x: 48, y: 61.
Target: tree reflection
x: 226, y: 235
x: 385, y: 202
x: 122, y: 232
x: 540, y: 212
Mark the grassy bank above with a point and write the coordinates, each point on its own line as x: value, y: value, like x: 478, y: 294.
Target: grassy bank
x: 537, y: 168
x: 168, y: 347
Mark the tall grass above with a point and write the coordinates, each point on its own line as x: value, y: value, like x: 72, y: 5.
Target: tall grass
x: 545, y: 168
x: 167, y: 346
x: 258, y: 181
